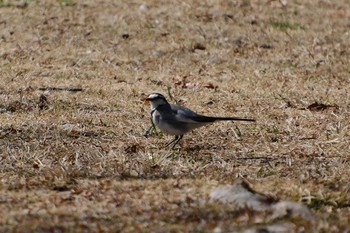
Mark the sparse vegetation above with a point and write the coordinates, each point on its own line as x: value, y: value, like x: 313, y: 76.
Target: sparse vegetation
x: 283, y: 25
x: 66, y: 2
x: 73, y: 157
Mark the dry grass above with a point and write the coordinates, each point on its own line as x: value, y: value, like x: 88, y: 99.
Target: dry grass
x: 78, y: 162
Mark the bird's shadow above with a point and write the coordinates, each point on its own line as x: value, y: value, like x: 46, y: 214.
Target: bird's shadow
x: 201, y: 147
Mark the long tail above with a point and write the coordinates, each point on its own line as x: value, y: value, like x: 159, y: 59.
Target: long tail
x: 212, y: 119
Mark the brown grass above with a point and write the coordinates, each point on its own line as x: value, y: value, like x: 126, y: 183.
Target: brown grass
x: 78, y: 162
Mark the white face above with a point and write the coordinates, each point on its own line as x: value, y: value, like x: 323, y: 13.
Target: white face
x: 156, y: 100
x: 154, y: 96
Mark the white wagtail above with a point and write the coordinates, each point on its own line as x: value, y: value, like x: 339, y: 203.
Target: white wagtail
x: 177, y: 120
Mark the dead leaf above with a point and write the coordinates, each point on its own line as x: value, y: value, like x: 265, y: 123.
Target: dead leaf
x: 43, y: 102
x: 198, y: 46
x: 209, y: 86
x: 131, y: 149
x: 36, y: 165
x: 184, y: 84
x: 266, y: 46
x: 317, y: 107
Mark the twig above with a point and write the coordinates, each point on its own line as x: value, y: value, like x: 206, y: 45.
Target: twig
x: 308, y: 138
x: 258, y: 157
x: 73, y: 89
x: 169, y: 93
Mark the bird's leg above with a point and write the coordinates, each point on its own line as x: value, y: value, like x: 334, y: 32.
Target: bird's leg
x: 172, y: 141
x: 149, y: 130
x: 177, y: 140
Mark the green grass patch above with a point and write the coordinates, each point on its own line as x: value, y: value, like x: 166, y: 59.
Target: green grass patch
x: 285, y: 25
x: 66, y: 2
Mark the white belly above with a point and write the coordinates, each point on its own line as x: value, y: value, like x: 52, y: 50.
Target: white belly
x: 172, y: 129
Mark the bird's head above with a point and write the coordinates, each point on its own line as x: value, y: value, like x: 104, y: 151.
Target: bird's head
x: 156, y: 99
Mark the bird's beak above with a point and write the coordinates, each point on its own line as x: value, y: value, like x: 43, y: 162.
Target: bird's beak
x: 146, y: 101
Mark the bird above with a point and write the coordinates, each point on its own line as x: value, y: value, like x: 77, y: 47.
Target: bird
x: 177, y: 120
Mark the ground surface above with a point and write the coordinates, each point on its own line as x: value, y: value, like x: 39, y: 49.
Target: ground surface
x: 76, y: 161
